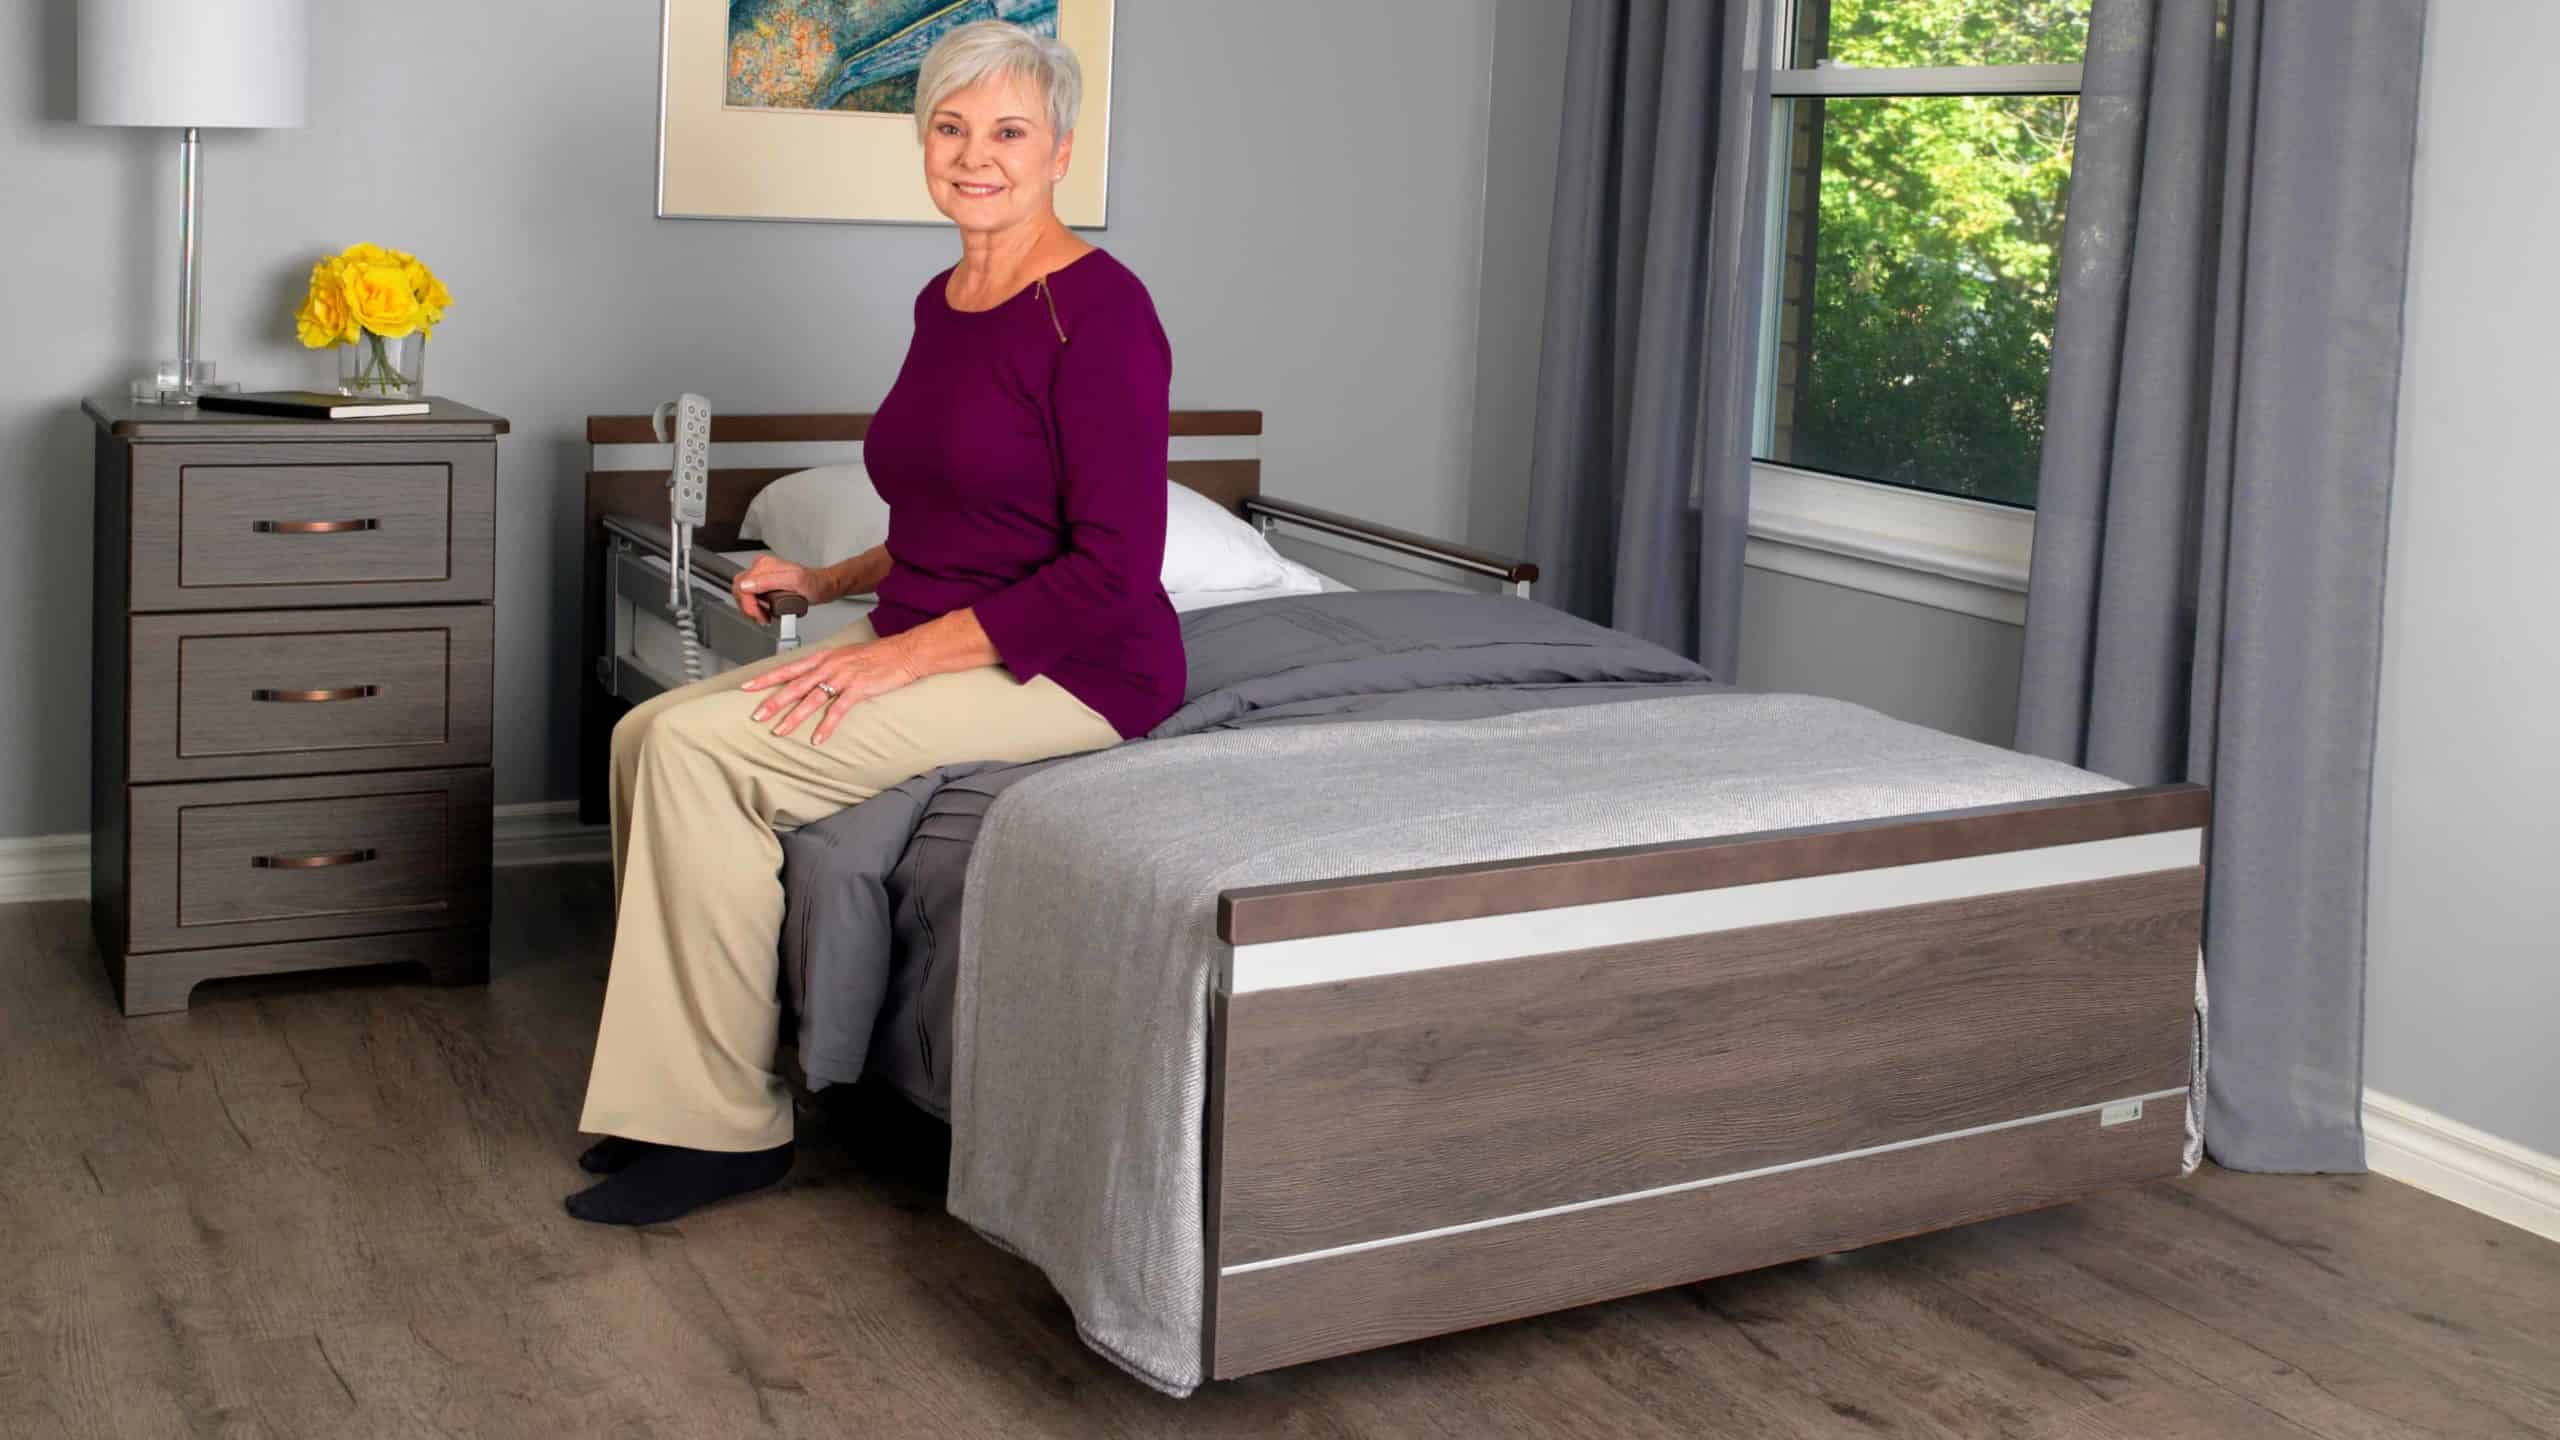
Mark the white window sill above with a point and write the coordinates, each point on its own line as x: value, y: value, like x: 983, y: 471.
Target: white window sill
x: 1937, y: 550
x: 1831, y: 78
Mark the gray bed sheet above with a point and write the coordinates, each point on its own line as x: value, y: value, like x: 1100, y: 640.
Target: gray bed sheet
x: 872, y: 895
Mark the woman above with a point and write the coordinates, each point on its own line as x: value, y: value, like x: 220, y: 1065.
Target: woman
x: 1020, y: 616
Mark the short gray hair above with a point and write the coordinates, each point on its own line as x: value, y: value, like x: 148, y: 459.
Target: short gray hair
x: 984, y: 48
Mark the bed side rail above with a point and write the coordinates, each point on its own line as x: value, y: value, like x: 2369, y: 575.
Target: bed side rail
x: 709, y: 566
x: 1511, y: 570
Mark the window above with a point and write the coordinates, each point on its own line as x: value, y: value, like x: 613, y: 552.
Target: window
x: 1922, y: 152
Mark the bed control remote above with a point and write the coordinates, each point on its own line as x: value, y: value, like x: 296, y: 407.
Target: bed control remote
x: 688, y: 505
x: 689, y: 482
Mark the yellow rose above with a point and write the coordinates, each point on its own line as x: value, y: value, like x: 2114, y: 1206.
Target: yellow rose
x: 433, y: 298
x: 358, y: 256
x: 382, y: 300
x: 325, y: 318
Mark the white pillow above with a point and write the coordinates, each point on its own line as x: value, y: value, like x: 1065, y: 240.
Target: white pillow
x: 1305, y: 581
x: 818, y: 517
x: 1301, y: 581
x: 1207, y: 548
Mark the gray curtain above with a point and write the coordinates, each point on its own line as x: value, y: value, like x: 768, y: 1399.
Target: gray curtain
x: 2206, y: 600
x: 1640, y: 478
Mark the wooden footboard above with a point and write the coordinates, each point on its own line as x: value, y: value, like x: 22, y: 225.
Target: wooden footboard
x: 1446, y: 1098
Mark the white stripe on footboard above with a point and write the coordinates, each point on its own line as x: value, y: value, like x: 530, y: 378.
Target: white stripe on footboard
x: 1709, y: 1183
x: 1325, y: 959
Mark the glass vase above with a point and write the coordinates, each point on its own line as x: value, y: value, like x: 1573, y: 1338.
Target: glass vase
x: 384, y: 367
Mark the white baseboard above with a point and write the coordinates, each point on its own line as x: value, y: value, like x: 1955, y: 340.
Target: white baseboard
x: 44, y: 867
x: 547, y: 832
x: 2469, y: 1167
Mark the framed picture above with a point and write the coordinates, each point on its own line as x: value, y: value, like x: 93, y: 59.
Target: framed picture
x: 805, y: 109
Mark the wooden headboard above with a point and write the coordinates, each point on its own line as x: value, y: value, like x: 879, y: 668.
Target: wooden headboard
x: 1215, y: 452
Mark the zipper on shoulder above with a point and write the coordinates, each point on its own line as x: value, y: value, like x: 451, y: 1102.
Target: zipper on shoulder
x: 1042, y: 285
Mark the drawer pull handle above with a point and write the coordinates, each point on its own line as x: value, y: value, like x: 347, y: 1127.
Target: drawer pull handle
x: 313, y: 527
x: 312, y: 862
x: 314, y: 697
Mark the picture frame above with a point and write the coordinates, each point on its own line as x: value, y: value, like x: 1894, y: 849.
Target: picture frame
x: 741, y: 135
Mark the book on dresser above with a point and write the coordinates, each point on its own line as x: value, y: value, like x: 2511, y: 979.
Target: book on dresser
x: 290, y: 694
x: 310, y: 405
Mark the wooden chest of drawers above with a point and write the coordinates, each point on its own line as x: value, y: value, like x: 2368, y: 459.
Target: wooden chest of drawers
x: 290, y: 697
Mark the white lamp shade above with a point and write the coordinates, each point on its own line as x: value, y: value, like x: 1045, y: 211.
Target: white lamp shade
x: 207, y: 63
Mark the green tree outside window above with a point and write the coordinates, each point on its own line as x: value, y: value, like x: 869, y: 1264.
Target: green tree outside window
x: 1931, y: 247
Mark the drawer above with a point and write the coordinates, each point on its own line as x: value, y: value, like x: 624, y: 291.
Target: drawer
x: 300, y: 692
x: 245, y: 862
x: 257, y: 526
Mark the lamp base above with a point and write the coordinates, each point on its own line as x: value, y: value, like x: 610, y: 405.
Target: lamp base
x: 171, y: 383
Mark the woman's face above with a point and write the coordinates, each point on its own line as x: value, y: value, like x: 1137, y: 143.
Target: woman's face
x: 989, y: 156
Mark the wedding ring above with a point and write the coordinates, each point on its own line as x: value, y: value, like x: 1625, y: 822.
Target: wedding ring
x: 830, y: 689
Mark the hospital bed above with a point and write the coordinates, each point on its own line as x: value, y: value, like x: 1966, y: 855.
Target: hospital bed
x: 1713, y: 1054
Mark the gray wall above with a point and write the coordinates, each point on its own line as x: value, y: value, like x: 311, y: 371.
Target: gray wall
x: 1940, y: 668
x: 1524, y: 114
x: 2463, y: 998
x: 1306, y: 210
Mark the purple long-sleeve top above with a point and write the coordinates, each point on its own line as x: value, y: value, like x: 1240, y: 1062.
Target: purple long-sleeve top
x: 1025, y: 477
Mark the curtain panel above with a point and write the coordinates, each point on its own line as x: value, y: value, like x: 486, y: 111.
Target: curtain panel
x: 2206, y: 595
x: 1641, y: 473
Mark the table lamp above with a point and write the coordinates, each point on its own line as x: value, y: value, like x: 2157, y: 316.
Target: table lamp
x: 191, y: 65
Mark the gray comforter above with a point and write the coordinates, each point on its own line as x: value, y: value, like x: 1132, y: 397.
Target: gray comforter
x: 871, y: 929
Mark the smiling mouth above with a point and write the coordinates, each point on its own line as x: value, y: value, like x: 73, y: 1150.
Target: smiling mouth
x: 976, y: 191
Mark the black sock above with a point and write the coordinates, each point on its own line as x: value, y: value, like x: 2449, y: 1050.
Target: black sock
x: 613, y: 1153
x: 671, y: 1180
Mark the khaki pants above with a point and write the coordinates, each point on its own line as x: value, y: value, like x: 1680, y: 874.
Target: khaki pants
x: 685, y: 1053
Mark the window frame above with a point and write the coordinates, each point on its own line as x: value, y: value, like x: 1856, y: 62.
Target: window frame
x: 1922, y: 546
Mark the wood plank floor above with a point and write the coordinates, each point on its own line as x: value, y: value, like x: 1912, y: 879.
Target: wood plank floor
x: 330, y: 1206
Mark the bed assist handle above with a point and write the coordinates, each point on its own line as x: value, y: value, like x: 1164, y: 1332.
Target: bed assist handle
x: 786, y: 607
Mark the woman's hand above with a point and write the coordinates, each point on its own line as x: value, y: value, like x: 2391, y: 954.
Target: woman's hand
x: 830, y: 680
x: 772, y: 572
x: 857, y: 575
